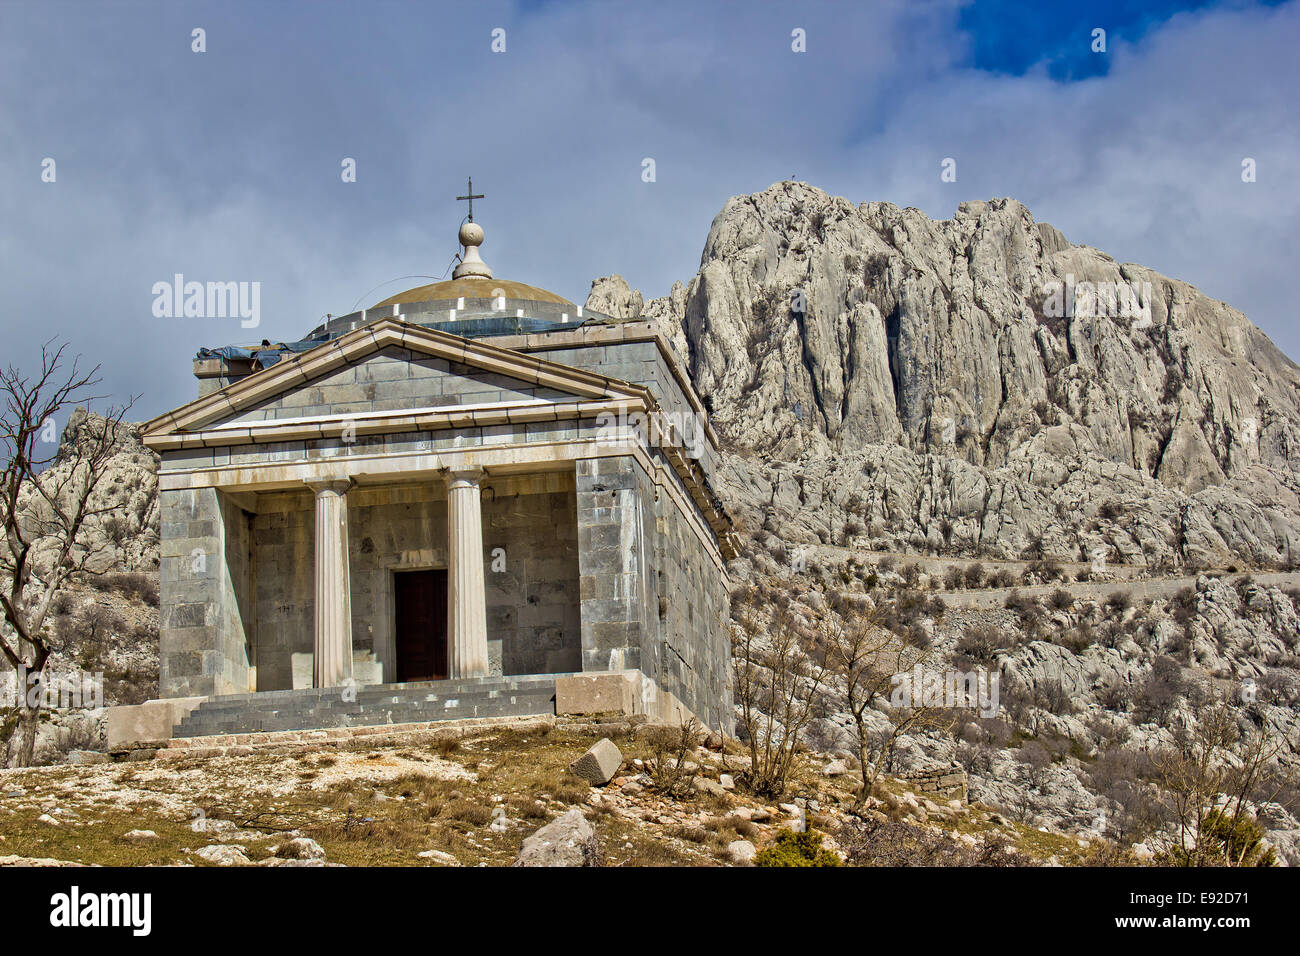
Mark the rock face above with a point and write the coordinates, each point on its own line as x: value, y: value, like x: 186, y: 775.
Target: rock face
x: 980, y: 385
x: 123, y: 532
x: 568, y: 840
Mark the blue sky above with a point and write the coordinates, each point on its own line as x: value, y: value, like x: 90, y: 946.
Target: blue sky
x: 225, y: 165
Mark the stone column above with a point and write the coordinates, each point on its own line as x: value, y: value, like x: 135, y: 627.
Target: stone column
x: 332, y: 663
x: 466, y: 599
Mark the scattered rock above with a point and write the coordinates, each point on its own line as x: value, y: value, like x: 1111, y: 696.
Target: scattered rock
x: 300, y: 848
x: 741, y: 852
x: 599, y: 764
x: 568, y: 840
x: 222, y: 855
x: 705, y: 785
x: 85, y: 757
x: 438, y: 856
x: 139, y: 836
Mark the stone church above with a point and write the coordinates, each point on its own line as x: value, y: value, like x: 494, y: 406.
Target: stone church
x: 472, y: 499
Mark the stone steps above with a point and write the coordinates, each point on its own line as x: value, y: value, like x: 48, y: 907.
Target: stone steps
x: 371, y: 705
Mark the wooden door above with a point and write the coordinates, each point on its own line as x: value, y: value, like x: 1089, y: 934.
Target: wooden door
x: 420, y: 602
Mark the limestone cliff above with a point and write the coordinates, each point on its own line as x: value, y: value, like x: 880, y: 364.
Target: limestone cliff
x: 979, y: 385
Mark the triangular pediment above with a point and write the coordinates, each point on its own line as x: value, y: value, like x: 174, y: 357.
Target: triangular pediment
x: 391, y: 366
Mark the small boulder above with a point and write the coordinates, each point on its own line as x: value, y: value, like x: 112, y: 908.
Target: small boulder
x: 599, y: 764
x: 568, y: 840
x: 139, y: 836
x: 726, y: 781
x: 705, y: 785
x: 741, y: 852
x: 83, y: 758
x: 223, y: 855
x: 438, y: 856
x: 300, y: 848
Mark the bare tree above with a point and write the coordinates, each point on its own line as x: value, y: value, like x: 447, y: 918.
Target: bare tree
x: 45, y: 514
x: 869, y: 659
x: 1214, y: 762
x: 777, y: 686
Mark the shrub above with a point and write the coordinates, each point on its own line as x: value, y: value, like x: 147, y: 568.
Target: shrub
x: 1160, y: 691
x: 974, y: 575
x: 670, y: 747
x: 871, y: 842
x: 1061, y: 600
x: 1115, y: 695
x: 1228, y: 840
x: 980, y: 644
x: 797, y: 849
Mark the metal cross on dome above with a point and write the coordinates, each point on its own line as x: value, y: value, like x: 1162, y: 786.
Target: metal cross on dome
x: 471, y: 197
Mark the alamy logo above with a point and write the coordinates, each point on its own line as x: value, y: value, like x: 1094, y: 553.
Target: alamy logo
x: 53, y: 688
x: 74, y: 909
x: 977, y: 690
x: 208, y: 300
x: 1124, y: 300
x: 661, y: 429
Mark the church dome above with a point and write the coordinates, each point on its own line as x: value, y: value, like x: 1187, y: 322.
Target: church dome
x: 473, y: 287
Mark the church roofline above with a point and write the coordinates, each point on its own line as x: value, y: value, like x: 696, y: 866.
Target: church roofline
x: 285, y: 375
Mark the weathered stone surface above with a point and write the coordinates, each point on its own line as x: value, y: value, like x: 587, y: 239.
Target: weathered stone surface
x: 611, y: 693
x: 741, y: 852
x: 152, y: 720
x: 599, y: 764
x: 139, y: 836
x: 300, y: 848
x: 85, y: 757
x: 612, y: 296
x: 222, y: 855
x: 908, y: 378
x: 705, y: 785
x: 438, y: 856
x: 568, y: 840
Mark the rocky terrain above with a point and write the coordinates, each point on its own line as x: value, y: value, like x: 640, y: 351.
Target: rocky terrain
x: 486, y: 793
x: 1025, y: 457
x: 891, y: 381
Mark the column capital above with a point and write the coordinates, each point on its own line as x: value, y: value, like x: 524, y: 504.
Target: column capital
x: 470, y: 475
x: 337, y: 486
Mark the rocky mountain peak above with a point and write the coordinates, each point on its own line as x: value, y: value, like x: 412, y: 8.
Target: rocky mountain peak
x: 996, y: 356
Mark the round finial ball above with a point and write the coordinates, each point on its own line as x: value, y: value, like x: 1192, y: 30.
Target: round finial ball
x: 471, y: 234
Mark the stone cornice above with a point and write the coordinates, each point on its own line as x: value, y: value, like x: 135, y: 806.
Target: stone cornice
x: 387, y: 423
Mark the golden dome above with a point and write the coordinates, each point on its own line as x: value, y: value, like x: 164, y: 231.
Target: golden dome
x: 473, y: 287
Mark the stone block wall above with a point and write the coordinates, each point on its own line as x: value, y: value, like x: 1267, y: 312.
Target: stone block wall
x: 206, y: 624
x: 615, y: 515
x: 694, y: 606
x: 652, y: 599
x: 939, y: 784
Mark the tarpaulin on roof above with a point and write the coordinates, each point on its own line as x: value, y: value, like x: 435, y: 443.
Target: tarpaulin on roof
x: 467, y: 328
